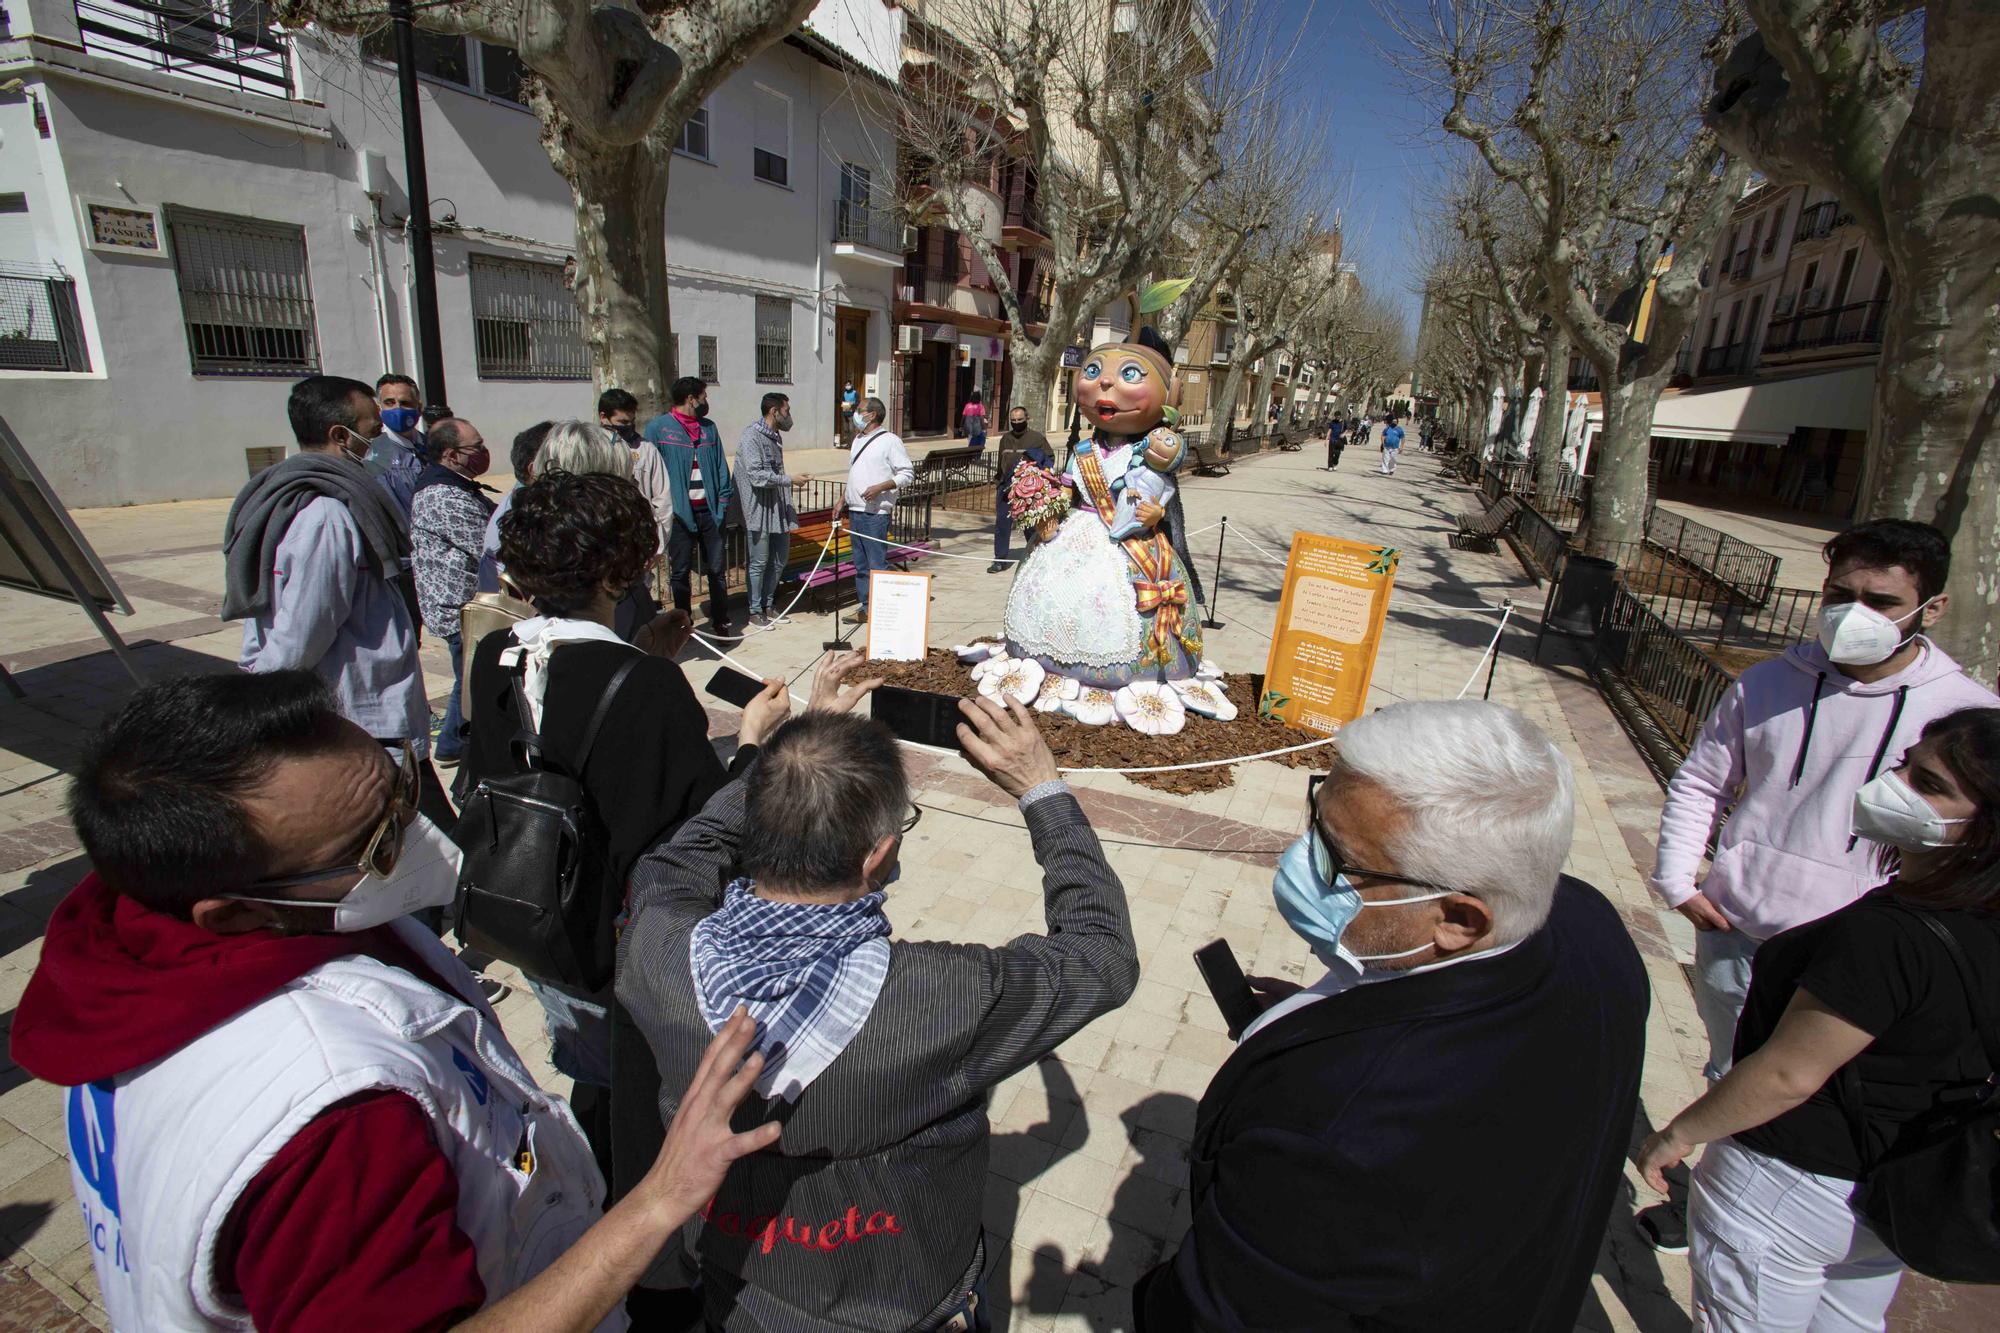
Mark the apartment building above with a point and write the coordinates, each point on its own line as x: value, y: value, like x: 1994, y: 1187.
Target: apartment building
x: 197, y: 208
x: 1771, y: 406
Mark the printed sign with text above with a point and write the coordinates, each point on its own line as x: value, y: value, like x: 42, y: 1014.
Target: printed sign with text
x: 1329, y: 629
x: 899, y: 616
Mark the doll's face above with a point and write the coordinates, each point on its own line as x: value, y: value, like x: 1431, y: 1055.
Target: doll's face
x: 1120, y: 391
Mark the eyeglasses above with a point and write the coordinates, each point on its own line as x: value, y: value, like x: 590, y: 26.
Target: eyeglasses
x: 915, y: 816
x: 1328, y: 861
x: 385, y: 844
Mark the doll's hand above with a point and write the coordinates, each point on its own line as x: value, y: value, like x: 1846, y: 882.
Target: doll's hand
x: 1149, y: 514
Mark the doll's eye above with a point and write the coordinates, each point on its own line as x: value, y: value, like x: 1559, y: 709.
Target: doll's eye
x: 1133, y: 373
x: 1093, y: 369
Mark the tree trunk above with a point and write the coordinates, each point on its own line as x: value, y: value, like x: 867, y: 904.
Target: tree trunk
x: 1618, y: 464
x: 620, y: 195
x: 1936, y: 389
x: 1260, y: 420
x: 1035, y: 365
x: 1549, y: 426
x: 1224, y: 408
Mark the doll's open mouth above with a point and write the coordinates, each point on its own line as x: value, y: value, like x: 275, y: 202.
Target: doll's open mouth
x: 1106, y: 408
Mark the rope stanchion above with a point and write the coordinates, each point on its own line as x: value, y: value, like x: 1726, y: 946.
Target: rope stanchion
x: 1215, y: 584
x: 1492, y: 649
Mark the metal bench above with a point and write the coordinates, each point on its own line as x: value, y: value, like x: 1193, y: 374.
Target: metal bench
x: 1480, y: 530
x: 946, y: 469
x: 1209, y: 460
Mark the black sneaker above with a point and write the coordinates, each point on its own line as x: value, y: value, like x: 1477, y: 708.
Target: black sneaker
x: 758, y: 620
x: 1665, y: 1227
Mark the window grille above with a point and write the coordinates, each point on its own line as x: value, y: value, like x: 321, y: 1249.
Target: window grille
x: 525, y: 324
x: 774, y: 340
x: 246, y: 299
x: 694, y: 135
x: 40, y: 325
x: 705, y: 351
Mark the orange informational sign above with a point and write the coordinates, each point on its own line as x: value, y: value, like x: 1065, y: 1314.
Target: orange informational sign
x: 1329, y: 628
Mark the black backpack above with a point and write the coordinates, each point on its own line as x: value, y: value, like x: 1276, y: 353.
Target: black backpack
x: 533, y: 889
x: 1932, y: 1201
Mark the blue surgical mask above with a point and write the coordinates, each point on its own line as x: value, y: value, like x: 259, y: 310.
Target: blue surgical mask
x: 1319, y: 912
x: 402, y: 420
x: 860, y: 422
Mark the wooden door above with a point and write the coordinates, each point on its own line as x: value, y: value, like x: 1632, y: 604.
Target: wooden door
x: 850, y: 359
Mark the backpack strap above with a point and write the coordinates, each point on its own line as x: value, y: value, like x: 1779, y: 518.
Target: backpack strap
x: 602, y: 711
x: 1847, y: 1084
x: 527, y: 743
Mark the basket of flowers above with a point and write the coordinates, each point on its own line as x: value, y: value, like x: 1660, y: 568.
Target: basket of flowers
x: 1037, y: 500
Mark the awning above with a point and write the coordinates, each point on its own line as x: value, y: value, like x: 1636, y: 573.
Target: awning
x: 1765, y: 411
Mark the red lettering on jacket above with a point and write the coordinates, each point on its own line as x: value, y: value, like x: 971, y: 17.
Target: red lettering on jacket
x: 821, y: 1237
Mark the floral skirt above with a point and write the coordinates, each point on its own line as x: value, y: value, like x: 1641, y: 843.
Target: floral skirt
x: 1073, y: 610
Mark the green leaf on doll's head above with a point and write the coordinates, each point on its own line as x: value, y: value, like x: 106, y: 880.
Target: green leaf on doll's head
x: 1159, y: 295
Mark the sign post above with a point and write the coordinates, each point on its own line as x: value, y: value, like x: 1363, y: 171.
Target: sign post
x: 1329, y: 629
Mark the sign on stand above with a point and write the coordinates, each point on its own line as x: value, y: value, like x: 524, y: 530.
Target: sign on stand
x: 1329, y: 630
x: 899, y: 616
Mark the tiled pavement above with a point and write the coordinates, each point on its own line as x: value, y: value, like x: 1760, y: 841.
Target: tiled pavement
x: 1088, y: 1186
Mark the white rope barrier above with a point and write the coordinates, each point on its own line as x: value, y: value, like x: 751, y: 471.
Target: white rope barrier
x: 1491, y: 648
x: 930, y: 550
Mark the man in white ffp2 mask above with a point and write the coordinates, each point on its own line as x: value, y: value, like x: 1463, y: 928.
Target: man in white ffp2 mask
x: 287, y: 1104
x: 1783, y: 754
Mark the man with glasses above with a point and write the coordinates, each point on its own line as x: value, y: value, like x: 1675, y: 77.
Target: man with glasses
x: 1431, y: 1134
x: 317, y: 566
x: 881, y: 1051
x: 287, y: 1105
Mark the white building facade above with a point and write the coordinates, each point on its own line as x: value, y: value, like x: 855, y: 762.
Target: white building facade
x: 196, y: 211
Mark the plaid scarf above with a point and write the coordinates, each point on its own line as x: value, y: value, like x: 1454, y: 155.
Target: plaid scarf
x: 808, y: 972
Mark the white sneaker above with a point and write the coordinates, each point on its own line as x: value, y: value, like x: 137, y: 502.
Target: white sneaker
x: 779, y: 619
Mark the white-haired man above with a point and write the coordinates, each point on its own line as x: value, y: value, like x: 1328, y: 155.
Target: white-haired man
x: 1430, y: 1136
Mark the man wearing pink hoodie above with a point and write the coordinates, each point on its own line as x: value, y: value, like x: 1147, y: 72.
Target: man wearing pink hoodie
x: 1783, y: 755
x: 1786, y: 749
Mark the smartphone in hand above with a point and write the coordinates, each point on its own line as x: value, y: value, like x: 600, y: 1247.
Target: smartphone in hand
x: 1229, y: 987
x: 732, y: 686
x: 919, y: 716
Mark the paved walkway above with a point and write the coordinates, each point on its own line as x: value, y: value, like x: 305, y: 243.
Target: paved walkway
x: 1089, y: 1182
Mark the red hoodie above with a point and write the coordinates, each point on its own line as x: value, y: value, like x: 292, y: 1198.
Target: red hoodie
x: 353, y: 1222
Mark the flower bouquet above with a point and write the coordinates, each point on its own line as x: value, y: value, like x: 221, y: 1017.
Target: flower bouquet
x: 1037, y: 500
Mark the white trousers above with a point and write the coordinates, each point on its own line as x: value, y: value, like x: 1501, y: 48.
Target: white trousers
x: 1776, y: 1249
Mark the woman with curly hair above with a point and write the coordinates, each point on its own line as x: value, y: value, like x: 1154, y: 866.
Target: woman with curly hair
x: 572, y: 544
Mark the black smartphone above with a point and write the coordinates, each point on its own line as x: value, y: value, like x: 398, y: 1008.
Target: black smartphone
x: 918, y: 715
x: 732, y: 686
x: 1228, y: 985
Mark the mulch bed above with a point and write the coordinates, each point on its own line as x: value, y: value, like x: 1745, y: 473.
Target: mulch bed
x: 1118, y: 746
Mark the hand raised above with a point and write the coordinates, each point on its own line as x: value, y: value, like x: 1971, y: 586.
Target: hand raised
x: 1006, y: 745
x: 834, y: 688
x: 762, y: 714
x: 700, y: 1146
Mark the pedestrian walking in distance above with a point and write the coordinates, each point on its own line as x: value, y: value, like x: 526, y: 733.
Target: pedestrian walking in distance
x: 1392, y: 446
x: 1335, y: 443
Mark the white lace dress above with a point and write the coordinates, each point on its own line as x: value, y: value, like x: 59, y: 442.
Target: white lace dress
x: 1071, y: 604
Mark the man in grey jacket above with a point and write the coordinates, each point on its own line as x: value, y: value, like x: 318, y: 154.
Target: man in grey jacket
x: 765, y: 490
x: 879, y: 1052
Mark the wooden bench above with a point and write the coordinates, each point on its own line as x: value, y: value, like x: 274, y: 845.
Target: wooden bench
x: 941, y: 469
x: 1209, y: 460
x: 838, y: 566
x: 1479, y: 531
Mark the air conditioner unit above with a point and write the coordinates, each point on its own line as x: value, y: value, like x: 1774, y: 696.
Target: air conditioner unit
x: 909, y: 338
x: 1812, y: 298
x: 909, y: 239
x: 1783, y: 305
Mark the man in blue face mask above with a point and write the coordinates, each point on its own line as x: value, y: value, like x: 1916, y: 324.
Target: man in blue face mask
x: 1429, y: 1135
x: 397, y: 456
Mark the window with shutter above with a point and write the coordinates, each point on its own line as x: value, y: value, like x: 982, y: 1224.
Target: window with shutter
x: 772, y: 148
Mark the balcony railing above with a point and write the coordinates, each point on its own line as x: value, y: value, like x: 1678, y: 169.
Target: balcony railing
x: 859, y: 224
x: 1857, y: 325
x: 1820, y: 221
x: 226, y: 42
x: 1724, y: 360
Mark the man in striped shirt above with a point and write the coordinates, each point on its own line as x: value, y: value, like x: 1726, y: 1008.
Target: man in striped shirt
x: 698, y: 475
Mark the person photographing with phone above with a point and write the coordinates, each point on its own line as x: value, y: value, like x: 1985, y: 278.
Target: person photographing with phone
x: 880, y: 1052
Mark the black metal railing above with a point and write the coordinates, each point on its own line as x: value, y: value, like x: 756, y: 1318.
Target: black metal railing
x: 1750, y: 570
x: 1726, y: 359
x: 41, y: 327
x: 856, y: 223
x: 1539, y: 543
x: 909, y: 522
x: 1821, y: 220
x: 227, y: 42
x: 1660, y: 681
x: 1856, y: 325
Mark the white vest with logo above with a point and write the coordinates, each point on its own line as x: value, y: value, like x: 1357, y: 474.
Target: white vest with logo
x: 159, y: 1155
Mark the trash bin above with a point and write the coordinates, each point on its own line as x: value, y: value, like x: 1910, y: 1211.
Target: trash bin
x: 1577, y: 603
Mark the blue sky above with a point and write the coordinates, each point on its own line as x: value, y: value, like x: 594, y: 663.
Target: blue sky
x: 1380, y: 145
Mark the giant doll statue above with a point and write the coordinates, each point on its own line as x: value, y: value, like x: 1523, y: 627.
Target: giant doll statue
x: 1106, y: 601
